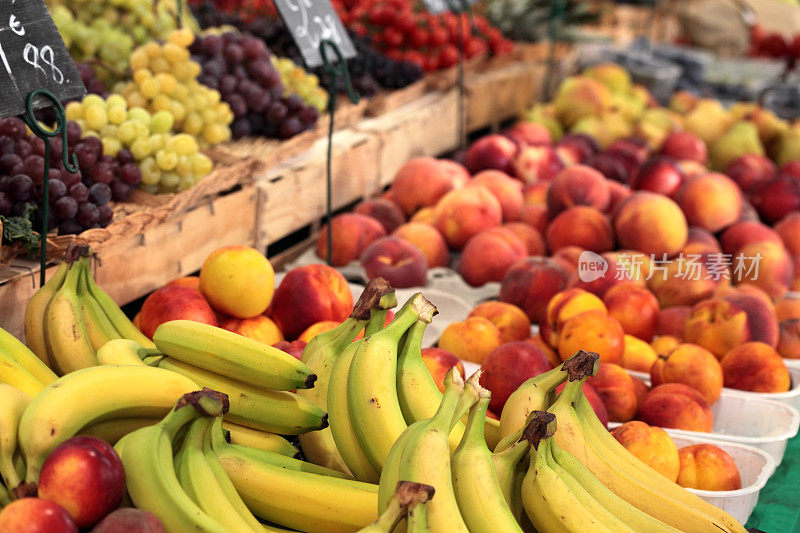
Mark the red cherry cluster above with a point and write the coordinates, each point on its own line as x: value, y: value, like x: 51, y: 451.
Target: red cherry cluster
x: 774, y: 45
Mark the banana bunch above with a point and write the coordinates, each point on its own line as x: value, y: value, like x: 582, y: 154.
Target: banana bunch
x: 70, y: 318
x: 20, y: 368
x: 13, y: 403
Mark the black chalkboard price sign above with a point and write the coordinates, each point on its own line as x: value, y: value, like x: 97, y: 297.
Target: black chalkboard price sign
x: 33, y: 56
x: 440, y: 6
x: 310, y: 22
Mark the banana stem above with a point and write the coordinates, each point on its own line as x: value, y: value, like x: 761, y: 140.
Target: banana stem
x: 476, y: 422
x: 205, y: 402
x: 376, y: 322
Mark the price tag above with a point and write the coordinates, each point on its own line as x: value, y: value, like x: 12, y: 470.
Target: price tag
x: 440, y: 6
x: 310, y: 22
x: 33, y: 56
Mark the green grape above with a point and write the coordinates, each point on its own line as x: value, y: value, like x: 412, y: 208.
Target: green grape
x: 109, y: 130
x: 111, y: 146
x: 74, y: 111
x: 183, y: 144
x: 117, y: 114
x: 95, y: 116
x: 162, y: 122
x: 156, y: 142
x: 140, y: 114
x: 92, y: 100
x: 201, y: 164
x: 166, y: 159
x: 151, y: 174
x: 116, y: 100
x: 170, y: 180
x: 127, y: 132
x: 140, y: 148
x: 184, y: 166
x: 187, y: 182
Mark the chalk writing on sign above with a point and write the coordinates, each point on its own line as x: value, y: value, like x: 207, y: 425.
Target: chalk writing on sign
x: 310, y: 22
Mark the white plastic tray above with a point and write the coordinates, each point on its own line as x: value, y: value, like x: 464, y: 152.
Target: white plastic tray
x: 755, y: 468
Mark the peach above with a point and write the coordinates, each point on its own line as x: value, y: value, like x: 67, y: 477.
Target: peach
x: 193, y: 282
x: 578, y: 185
x: 509, y: 366
x: 664, y: 344
x: 85, y: 476
x: 512, y: 321
x: 351, y: 234
x: 463, y: 213
x: 616, y: 389
x: 174, y: 303
x: 594, y: 331
x: 129, y: 520
x: 398, y: 261
x: 489, y: 254
x: 749, y: 170
x: 238, y: 281
x: 565, y: 305
x: 717, y: 325
x: 712, y: 201
x: 535, y: 164
x: 651, y: 223
x: 548, y: 350
x: 613, y: 166
x: 746, y: 232
x: 426, y: 215
x: 660, y: 175
x: 260, y: 328
x: 761, y: 320
x: 789, y: 338
x: 471, y: 339
x: 635, y: 308
x: 529, y: 134
x: 756, y: 367
x: 491, y: 152
x: 315, y: 329
x: 294, y: 348
x: 576, y: 148
x: 34, y: 515
x: 536, y: 193
x: 580, y: 226
x: 788, y: 307
x: 777, y: 198
x: 618, y: 193
x: 701, y: 242
x: 310, y: 294
x: 506, y: 189
x: 529, y: 236
x: 651, y: 445
x: 707, y: 467
x: 439, y: 362
x: 536, y: 216
x: 387, y: 212
x: 580, y: 97
x: 677, y: 406
x: 422, y: 181
x: 641, y: 389
x: 684, y: 145
x: 671, y: 321
x: 429, y: 241
x: 687, y: 279
x: 569, y: 258
x: 766, y: 265
x: 637, y: 355
x: 530, y: 284
x: 691, y: 365
x: 623, y: 267
x: 789, y: 231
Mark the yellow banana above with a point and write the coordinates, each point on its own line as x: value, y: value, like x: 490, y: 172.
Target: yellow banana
x: 536, y: 394
x: 406, y: 494
x: 12, y: 373
x: 320, y: 355
x: 510, y: 467
x: 390, y: 474
x: 92, y: 395
x: 121, y: 323
x: 372, y: 384
x: 114, y: 429
x: 426, y: 459
x: 98, y: 327
x: 64, y: 328
x: 261, y: 440
x: 20, y: 353
x: 279, y: 412
x: 231, y: 355
x: 123, y: 352
x: 150, y: 474
x: 35, y: 310
x: 549, y: 503
x: 338, y: 413
x: 13, y: 403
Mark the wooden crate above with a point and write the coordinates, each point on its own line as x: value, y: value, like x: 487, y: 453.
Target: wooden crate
x: 293, y: 194
x: 499, y: 94
x: 144, y: 262
x: 426, y: 127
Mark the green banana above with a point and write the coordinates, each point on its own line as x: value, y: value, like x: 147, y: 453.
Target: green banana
x: 122, y: 352
x: 114, y: 429
x: 98, y: 327
x: 228, y: 354
x: 418, y: 519
x: 150, y: 475
x: 320, y: 355
x: 475, y: 482
x: 372, y: 384
x: 390, y: 474
x: 35, y: 311
x: 510, y: 467
x: 338, y: 413
x: 13, y: 403
x: 64, y: 328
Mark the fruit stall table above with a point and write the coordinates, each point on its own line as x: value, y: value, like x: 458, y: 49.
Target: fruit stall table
x: 778, y: 506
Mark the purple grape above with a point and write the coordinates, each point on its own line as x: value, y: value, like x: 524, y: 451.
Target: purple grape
x: 238, y: 105
x: 120, y: 192
x: 260, y: 102
x: 7, y: 145
x: 227, y: 84
x: 106, y: 159
x: 65, y: 207
x: 215, y: 69
x: 308, y: 115
x: 276, y: 112
x: 70, y: 178
x: 102, y: 172
x: 124, y: 156
x: 55, y: 174
x: 69, y: 227
x: 4, y: 183
x: 294, y: 103
x: 273, y: 79
x: 13, y: 127
x: 105, y: 215
x: 57, y: 190
x: 88, y: 215
x: 55, y: 149
x: 23, y: 148
x: 130, y: 174
x: 240, y: 128
x: 233, y: 53
x: 38, y: 145
x: 9, y: 162
x: 99, y: 194
x: 33, y: 166
x: 6, y: 204
x: 79, y: 192
x: 86, y: 154
x: 212, y: 45
x: 291, y: 127
x: 20, y: 188
x: 254, y: 48
x: 73, y: 132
